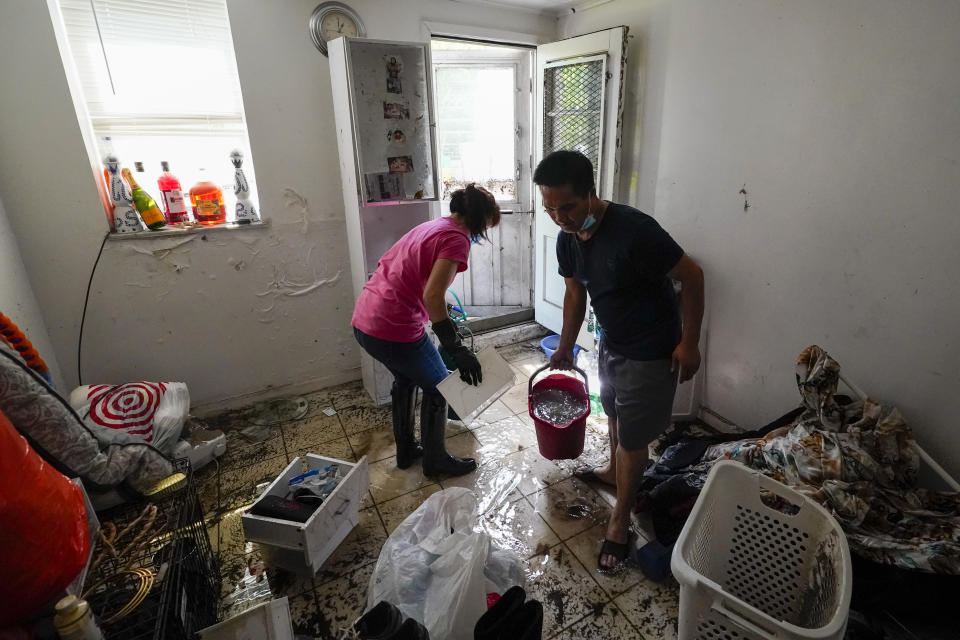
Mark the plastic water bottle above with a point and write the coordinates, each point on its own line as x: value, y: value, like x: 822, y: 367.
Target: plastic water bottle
x: 74, y: 620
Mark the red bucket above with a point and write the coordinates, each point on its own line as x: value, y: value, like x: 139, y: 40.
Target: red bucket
x: 560, y: 441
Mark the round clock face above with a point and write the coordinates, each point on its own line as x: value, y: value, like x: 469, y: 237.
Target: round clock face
x: 336, y: 24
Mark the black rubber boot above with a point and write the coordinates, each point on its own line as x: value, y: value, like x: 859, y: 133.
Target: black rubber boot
x: 380, y: 623
x: 433, y: 427
x: 404, y: 410
x: 411, y: 630
x: 494, y: 621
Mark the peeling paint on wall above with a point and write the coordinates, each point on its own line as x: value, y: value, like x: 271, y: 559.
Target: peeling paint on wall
x: 281, y: 285
x: 171, y: 252
x: 293, y: 199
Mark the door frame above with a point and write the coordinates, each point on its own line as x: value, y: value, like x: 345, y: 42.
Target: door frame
x: 522, y: 56
x: 522, y: 61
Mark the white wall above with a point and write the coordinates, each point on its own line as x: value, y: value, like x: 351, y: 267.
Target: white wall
x: 17, y: 301
x: 842, y: 120
x: 212, y: 312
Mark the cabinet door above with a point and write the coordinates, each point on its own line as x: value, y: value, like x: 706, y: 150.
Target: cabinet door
x: 391, y: 88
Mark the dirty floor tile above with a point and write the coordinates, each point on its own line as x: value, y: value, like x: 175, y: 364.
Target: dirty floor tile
x: 396, y: 510
x: 516, y: 526
x: 338, y: 449
x: 317, y: 401
x: 387, y: 481
x: 238, y: 485
x: 338, y: 603
x: 351, y: 394
x: 495, y: 412
x: 377, y: 444
x: 508, y: 435
x: 529, y: 366
x: 570, y: 507
x: 516, y: 398
x: 358, y: 549
x: 300, y: 435
x: 492, y: 483
x: 242, y: 452
x: 537, y: 472
x: 357, y: 419
x: 563, y: 586
x: 604, y: 622
x: 207, y: 481
x: 652, y: 608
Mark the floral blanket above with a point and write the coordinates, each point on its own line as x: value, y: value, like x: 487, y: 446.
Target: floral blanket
x: 857, y: 460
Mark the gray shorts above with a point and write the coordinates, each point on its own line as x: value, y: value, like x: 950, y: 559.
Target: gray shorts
x: 639, y: 394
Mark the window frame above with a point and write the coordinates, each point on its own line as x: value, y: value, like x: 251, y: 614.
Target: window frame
x: 521, y: 59
x: 231, y: 126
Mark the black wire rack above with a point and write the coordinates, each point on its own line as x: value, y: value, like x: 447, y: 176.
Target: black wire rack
x: 158, y: 579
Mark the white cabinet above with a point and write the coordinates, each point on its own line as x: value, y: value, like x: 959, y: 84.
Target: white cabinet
x: 382, y: 97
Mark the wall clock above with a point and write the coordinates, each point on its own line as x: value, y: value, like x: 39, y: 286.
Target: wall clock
x: 331, y: 20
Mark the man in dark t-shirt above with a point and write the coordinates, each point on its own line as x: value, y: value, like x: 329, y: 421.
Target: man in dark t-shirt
x: 627, y: 263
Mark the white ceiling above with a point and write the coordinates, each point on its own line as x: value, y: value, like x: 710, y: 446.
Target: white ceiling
x: 553, y: 7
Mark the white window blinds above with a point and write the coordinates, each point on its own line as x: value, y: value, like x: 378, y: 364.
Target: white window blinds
x: 156, y: 67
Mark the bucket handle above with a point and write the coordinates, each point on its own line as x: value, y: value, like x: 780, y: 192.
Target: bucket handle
x: 586, y: 381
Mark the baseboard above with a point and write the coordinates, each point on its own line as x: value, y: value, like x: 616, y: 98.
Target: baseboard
x: 717, y: 421
x: 297, y: 388
x: 495, y: 338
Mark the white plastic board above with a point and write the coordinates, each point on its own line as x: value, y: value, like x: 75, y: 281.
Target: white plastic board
x: 269, y: 621
x: 470, y: 401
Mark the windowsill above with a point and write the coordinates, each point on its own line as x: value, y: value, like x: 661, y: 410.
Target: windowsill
x: 169, y: 231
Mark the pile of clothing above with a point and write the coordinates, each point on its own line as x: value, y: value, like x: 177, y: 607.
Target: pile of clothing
x: 855, y: 457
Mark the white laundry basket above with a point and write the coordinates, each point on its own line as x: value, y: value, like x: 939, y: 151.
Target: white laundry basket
x: 747, y: 570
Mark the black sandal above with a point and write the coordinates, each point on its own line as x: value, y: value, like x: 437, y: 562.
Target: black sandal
x: 588, y: 474
x: 619, y: 550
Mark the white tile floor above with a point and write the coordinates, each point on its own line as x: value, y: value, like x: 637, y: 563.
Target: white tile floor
x: 551, y: 520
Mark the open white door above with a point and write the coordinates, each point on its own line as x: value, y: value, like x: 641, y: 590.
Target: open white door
x: 579, y: 107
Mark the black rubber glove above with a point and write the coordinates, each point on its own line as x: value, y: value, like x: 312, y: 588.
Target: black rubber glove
x: 467, y: 363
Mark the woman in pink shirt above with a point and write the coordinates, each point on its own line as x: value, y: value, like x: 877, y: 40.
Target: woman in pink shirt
x: 407, y: 289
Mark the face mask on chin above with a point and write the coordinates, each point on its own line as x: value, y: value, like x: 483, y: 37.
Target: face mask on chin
x: 589, y: 221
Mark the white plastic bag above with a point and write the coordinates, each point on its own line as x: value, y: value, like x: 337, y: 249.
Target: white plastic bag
x: 151, y: 412
x: 436, y: 568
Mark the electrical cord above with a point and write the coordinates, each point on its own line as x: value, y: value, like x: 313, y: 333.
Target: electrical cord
x: 86, y: 299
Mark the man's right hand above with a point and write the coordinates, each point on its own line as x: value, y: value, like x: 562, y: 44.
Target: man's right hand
x: 562, y: 359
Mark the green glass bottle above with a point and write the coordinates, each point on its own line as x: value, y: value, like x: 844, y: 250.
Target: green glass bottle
x: 144, y: 204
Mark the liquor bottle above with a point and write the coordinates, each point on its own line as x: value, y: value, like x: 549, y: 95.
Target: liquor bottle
x: 171, y: 194
x: 207, y: 201
x: 108, y: 151
x: 125, y: 218
x: 246, y: 211
x: 145, y: 205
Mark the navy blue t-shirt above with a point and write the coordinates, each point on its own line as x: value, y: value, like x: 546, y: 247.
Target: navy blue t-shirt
x: 624, y: 268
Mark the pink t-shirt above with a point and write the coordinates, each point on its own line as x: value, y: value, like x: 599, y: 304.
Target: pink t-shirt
x: 390, y: 307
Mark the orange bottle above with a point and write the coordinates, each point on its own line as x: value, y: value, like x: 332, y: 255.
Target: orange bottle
x: 206, y: 198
